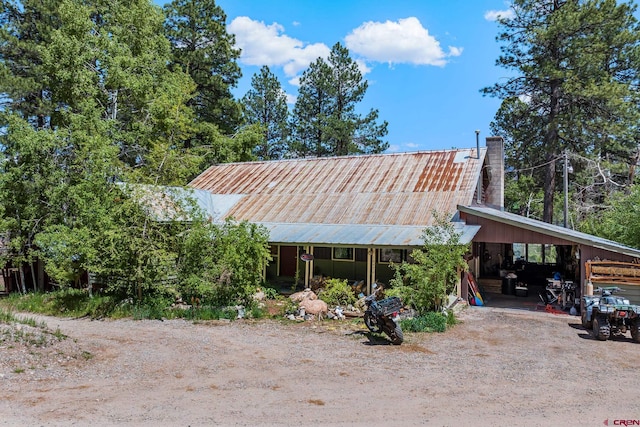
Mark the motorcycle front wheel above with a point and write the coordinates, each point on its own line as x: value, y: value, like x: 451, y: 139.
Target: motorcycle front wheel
x: 371, y: 323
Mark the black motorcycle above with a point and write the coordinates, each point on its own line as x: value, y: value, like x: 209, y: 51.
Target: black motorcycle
x: 384, y: 316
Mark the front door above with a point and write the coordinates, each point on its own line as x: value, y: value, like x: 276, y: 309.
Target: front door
x: 288, y: 260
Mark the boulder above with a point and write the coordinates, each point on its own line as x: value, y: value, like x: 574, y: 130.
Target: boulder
x: 315, y: 306
x: 302, y: 295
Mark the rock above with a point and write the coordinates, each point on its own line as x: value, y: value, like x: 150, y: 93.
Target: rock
x: 302, y: 295
x: 259, y: 295
x: 315, y: 306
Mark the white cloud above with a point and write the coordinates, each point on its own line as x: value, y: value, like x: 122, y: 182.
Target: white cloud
x: 394, y: 42
x: 402, y: 148
x: 493, y: 15
x: 291, y: 99
x: 263, y: 44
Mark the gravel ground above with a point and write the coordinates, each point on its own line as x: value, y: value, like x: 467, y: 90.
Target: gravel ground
x: 498, y: 367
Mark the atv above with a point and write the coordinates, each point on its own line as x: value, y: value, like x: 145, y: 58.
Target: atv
x: 609, y: 315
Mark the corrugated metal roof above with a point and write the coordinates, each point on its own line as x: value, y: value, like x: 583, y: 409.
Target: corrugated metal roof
x: 549, y: 229
x: 175, y: 203
x: 358, y: 235
x: 400, y: 189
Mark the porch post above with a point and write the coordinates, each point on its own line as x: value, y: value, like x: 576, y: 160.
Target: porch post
x: 371, y: 268
x: 306, y: 268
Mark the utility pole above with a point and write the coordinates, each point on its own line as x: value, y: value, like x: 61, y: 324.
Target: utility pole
x: 479, y: 185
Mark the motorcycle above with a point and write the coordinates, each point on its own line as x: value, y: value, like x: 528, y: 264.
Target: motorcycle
x: 384, y: 316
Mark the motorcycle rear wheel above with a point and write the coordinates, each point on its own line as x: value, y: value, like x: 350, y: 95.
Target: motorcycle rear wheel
x: 394, y: 331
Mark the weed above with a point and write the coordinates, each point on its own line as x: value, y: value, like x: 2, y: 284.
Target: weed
x: 18, y: 370
x: 59, y: 335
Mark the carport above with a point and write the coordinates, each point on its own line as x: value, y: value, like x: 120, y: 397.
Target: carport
x: 508, y: 244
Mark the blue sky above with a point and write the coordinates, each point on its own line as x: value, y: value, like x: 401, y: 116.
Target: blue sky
x: 425, y: 60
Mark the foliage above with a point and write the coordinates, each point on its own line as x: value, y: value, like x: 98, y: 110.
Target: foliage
x: 573, y: 88
x: 202, y: 48
x: 337, y: 292
x: 621, y: 221
x: 426, y: 283
x: 223, y: 265
x: 325, y: 121
x: 428, y: 322
x: 265, y: 104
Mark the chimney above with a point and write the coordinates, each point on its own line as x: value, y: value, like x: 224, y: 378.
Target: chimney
x: 493, y: 168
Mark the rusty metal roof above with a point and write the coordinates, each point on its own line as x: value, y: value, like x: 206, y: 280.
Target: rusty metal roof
x: 401, y: 189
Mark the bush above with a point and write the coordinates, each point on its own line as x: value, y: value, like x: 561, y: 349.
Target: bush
x: 223, y: 265
x: 337, y: 292
x: 429, y: 322
x: 425, y: 283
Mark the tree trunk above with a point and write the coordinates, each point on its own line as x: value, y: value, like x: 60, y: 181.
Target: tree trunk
x: 549, y: 189
x: 551, y: 140
x: 22, y: 286
x: 33, y: 277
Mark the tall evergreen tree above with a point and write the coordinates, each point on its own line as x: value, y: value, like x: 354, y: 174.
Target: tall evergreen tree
x: 202, y: 47
x: 24, y: 27
x: 574, y: 87
x: 325, y: 121
x: 265, y: 104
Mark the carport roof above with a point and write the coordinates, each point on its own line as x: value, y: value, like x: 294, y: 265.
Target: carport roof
x: 549, y: 229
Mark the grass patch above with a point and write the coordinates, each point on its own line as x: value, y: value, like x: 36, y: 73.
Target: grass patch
x: 78, y: 303
x: 429, y: 322
x: 66, y: 302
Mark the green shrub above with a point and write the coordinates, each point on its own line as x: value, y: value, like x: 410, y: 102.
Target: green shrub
x: 429, y: 322
x: 270, y: 293
x: 426, y: 283
x: 337, y: 292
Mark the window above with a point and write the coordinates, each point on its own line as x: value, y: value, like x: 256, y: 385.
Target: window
x: 535, y: 253
x: 550, y: 254
x: 390, y: 255
x: 322, y: 252
x: 343, y: 254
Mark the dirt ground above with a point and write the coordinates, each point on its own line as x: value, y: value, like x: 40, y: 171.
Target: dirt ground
x: 498, y: 367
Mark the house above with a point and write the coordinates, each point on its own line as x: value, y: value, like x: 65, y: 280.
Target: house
x: 349, y: 217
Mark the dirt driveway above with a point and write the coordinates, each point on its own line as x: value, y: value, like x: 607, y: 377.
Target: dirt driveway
x: 499, y: 367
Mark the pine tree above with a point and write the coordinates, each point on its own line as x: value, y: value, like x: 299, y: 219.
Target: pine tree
x: 576, y: 67
x: 265, y: 104
x: 202, y: 48
x: 325, y: 121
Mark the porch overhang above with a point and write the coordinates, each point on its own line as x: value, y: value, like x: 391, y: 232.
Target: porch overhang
x: 357, y: 235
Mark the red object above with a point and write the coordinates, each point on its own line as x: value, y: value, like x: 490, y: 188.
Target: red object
x: 549, y: 309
